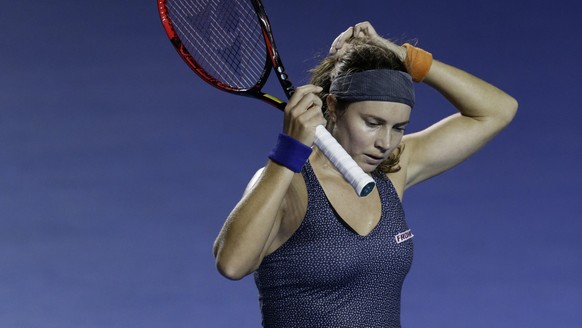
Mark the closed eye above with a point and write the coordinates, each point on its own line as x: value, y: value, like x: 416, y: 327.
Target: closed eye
x: 400, y: 127
x: 373, y: 123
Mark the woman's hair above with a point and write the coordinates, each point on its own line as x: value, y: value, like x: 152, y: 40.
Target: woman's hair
x: 362, y: 55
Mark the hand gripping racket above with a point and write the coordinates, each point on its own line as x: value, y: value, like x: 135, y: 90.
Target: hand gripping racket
x: 230, y: 44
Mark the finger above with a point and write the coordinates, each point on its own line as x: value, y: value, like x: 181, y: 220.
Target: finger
x: 301, y: 120
x: 344, y: 37
x: 309, y: 102
x: 340, y: 40
x: 300, y: 93
x: 315, y: 115
x: 312, y: 118
x: 364, y: 29
x: 333, y: 48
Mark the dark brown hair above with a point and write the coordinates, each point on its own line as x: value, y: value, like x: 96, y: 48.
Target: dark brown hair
x: 362, y: 55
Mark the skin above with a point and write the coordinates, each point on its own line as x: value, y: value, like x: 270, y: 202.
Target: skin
x: 369, y: 130
x: 275, y: 201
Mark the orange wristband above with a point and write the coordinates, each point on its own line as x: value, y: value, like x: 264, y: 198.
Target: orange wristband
x: 417, y: 62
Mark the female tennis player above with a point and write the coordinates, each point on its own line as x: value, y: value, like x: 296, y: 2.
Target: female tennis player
x: 321, y: 255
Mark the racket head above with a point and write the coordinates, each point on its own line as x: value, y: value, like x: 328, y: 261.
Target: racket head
x: 223, y: 42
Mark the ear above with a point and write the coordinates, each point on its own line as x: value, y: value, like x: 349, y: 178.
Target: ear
x: 331, y: 109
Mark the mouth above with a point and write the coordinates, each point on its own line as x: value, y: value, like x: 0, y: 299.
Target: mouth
x: 374, y: 159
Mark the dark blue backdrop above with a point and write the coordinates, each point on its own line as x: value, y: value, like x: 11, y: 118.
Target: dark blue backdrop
x: 118, y: 166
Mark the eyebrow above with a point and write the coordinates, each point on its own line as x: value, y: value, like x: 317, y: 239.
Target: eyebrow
x: 402, y: 123
x: 381, y: 120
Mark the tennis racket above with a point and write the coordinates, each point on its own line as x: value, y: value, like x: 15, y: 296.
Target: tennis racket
x: 230, y: 45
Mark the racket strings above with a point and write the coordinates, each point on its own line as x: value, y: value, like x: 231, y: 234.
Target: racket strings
x: 223, y: 37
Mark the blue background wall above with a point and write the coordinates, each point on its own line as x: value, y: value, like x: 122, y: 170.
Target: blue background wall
x: 118, y: 166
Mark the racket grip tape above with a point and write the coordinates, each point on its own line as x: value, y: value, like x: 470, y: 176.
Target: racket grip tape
x: 363, y: 184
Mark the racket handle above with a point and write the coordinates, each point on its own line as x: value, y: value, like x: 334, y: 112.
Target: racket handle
x: 363, y: 184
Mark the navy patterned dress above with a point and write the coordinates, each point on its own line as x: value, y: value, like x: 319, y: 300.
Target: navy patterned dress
x: 327, y: 275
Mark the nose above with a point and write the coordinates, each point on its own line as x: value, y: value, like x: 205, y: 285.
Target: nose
x: 383, y: 140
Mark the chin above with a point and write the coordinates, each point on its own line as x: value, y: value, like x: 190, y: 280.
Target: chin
x: 367, y: 167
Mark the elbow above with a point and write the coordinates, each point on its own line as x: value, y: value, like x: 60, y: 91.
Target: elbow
x: 230, y: 272
x: 231, y: 268
x: 508, y: 111
x: 513, y: 108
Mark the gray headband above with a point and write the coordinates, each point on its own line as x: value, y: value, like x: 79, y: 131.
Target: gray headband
x: 378, y: 84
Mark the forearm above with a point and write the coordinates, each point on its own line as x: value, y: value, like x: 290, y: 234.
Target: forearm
x: 248, y: 230
x: 254, y: 223
x: 472, y: 96
x: 484, y: 111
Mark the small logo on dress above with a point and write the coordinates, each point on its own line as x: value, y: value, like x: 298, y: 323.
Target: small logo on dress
x: 403, y: 236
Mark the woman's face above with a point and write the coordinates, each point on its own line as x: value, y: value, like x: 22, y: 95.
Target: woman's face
x: 370, y: 130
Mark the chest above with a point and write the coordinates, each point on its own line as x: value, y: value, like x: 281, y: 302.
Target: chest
x: 328, y: 249
x: 329, y: 246
x: 359, y: 214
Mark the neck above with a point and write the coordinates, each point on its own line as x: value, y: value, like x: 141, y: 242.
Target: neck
x: 323, y: 165
x: 319, y: 160
x: 331, y: 180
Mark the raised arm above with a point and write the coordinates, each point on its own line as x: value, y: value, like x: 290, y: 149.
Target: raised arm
x: 254, y: 223
x: 484, y: 111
